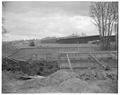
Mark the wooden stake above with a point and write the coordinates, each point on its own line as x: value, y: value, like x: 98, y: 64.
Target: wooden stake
x: 96, y: 60
x: 69, y: 63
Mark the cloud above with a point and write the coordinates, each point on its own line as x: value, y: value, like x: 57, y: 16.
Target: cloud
x: 72, y: 7
x: 41, y: 19
x: 40, y: 25
x: 10, y: 37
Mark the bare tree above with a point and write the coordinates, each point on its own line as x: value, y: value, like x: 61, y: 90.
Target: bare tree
x: 115, y: 13
x: 104, y: 18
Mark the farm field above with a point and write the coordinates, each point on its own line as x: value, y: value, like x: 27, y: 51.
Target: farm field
x: 86, y: 75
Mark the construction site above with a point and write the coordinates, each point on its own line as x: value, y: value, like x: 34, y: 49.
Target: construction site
x: 51, y: 68
x: 60, y: 47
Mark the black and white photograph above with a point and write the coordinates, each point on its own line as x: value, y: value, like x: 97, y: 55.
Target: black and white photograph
x: 59, y: 47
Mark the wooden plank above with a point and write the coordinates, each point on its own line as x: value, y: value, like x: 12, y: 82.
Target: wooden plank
x: 15, y: 60
x: 96, y: 60
x: 69, y: 63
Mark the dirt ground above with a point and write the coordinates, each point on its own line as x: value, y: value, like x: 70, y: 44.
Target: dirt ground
x: 62, y: 81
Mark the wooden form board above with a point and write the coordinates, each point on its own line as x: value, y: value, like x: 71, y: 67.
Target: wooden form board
x: 96, y: 60
x: 69, y: 63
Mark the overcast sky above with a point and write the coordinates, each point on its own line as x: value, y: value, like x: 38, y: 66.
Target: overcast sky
x: 24, y: 20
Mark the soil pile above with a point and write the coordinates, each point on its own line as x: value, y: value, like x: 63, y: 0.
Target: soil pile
x: 8, y: 85
x: 50, y: 82
x: 76, y: 85
x: 64, y: 81
x: 58, y: 77
x: 60, y: 81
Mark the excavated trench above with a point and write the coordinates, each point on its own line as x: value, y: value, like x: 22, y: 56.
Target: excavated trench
x: 86, y: 77
x: 41, y: 68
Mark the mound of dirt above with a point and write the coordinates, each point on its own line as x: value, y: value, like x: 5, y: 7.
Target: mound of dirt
x: 8, y: 85
x: 60, y: 81
x: 52, y: 80
x: 58, y: 77
x: 65, y: 82
x: 75, y: 85
x: 107, y: 86
x: 31, y: 84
